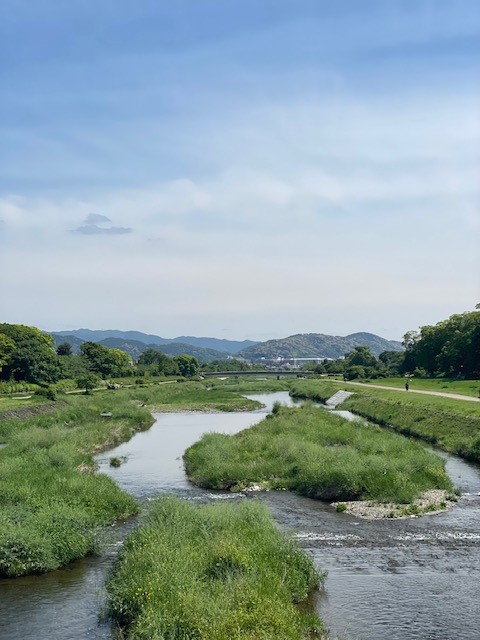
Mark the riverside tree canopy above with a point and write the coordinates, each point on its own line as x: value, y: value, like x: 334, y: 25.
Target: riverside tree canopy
x: 26, y: 353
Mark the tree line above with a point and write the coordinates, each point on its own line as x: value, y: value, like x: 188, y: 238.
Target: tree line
x: 451, y: 349
x: 29, y: 355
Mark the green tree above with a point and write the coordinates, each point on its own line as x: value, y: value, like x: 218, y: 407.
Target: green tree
x: 32, y: 357
x: 360, y: 356
x: 88, y: 382
x: 451, y: 347
x: 104, y: 361
x: 64, y: 349
x: 187, y: 365
x: 7, y: 347
x: 157, y: 363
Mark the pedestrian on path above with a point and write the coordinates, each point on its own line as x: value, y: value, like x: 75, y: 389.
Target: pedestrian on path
x: 407, y: 385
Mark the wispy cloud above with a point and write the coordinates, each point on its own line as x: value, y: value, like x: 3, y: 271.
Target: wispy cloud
x: 95, y: 230
x: 91, y: 228
x: 94, y: 218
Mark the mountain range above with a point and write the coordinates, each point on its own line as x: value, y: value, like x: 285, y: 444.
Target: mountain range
x: 318, y: 345
x: 230, y: 346
x: 303, y: 345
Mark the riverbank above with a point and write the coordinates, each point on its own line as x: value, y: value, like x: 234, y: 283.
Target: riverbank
x: 451, y: 425
x: 212, y: 572
x: 53, y: 502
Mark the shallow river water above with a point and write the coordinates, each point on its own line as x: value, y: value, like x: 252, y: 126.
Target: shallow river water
x: 399, y: 579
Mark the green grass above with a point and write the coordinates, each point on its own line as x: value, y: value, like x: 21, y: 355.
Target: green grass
x: 190, y: 396
x: 443, y: 385
x: 321, y: 390
x: 247, y: 384
x: 319, y: 455
x: 317, y: 390
x: 9, y: 403
x: 51, y: 502
x: 215, y: 572
x: 452, y: 425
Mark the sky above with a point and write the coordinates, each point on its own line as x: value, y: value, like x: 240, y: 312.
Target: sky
x: 239, y: 168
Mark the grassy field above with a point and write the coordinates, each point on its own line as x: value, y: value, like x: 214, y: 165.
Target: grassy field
x: 215, y: 572
x: 319, y: 455
x: 443, y: 385
x: 51, y: 501
x: 453, y: 425
x: 190, y: 396
x: 9, y: 402
x: 320, y: 390
x: 249, y: 384
x: 448, y: 424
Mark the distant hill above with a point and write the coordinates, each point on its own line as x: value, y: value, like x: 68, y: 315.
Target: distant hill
x: 318, y: 345
x: 73, y: 341
x: 202, y: 354
x: 135, y: 348
x: 230, y: 346
x: 96, y: 335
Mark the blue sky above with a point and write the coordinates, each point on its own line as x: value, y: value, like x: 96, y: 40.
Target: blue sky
x: 239, y: 168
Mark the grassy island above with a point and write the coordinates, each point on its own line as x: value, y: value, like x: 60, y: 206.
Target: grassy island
x: 319, y: 455
x: 214, y: 572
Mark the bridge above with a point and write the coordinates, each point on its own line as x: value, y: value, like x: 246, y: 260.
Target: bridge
x: 249, y: 372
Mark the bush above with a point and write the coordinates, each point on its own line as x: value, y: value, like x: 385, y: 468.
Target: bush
x: 47, y: 392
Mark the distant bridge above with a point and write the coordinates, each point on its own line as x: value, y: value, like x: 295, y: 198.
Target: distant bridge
x: 269, y: 372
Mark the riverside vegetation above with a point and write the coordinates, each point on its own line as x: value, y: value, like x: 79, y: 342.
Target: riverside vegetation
x: 319, y: 455
x: 212, y: 572
x: 52, y: 502
x: 451, y: 425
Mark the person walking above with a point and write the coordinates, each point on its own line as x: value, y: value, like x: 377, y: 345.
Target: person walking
x: 407, y: 385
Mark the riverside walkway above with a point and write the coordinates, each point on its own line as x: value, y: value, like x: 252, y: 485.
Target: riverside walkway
x: 454, y: 396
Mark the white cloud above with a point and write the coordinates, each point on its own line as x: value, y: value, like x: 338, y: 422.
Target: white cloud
x: 324, y: 209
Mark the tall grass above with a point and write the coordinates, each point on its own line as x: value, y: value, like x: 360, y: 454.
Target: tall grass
x: 319, y: 455
x: 215, y: 572
x: 450, y: 430
x: 51, y: 502
x: 191, y: 396
x: 317, y: 390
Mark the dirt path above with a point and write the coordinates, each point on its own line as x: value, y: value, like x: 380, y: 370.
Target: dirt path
x: 454, y: 396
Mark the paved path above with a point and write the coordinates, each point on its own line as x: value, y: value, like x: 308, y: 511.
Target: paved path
x: 454, y: 396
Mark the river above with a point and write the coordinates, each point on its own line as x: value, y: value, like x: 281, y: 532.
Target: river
x: 399, y: 579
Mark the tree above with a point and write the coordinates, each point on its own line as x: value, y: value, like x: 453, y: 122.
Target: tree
x: 392, y: 362
x: 187, y: 365
x: 451, y: 347
x: 360, y: 356
x: 64, y: 349
x: 88, y: 382
x: 157, y: 363
x: 32, y: 357
x: 6, y: 349
x: 104, y: 361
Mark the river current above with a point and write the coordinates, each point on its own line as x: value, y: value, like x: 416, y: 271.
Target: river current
x: 416, y: 578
